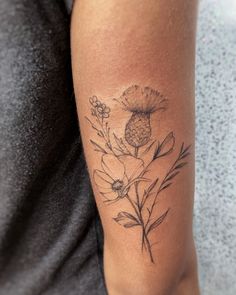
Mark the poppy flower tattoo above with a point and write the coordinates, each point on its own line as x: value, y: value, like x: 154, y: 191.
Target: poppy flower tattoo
x: 124, y: 164
x: 119, y: 173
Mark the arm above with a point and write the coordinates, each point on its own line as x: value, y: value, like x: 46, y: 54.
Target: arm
x: 133, y: 68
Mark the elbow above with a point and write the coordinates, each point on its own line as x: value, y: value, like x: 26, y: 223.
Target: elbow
x: 181, y: 280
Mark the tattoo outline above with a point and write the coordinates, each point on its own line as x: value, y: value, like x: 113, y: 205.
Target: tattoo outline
x: 122, y: 165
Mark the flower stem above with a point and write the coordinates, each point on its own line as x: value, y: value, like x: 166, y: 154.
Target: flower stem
x: 136, y: 184
x: 159, y: 191
x: 132, y: 204
x: 145, y: 240
x: 148, y: 245
x: 105, y: 133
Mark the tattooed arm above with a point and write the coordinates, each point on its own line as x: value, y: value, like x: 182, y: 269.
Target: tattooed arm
x: 133, y: 68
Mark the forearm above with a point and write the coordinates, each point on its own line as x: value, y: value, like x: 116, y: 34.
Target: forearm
x: 138, y: 59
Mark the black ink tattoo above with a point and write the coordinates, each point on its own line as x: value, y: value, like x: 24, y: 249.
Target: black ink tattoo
x: 123, y: 167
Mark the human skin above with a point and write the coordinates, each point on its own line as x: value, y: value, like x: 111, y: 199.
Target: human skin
x: 147, y: 50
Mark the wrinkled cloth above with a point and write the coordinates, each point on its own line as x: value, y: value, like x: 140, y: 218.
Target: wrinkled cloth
x: 50, y: 234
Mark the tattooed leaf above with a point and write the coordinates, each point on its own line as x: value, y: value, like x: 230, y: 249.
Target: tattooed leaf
x: 98, y: 148
x: 184, y: 156
x: 123, y: 216
x: 148, y: 191
x: 166, y: 186
x: 180, y: 165
x: 148, y: 148
x: 129, y: 216
x: 99, y: 133
x: 119, y: 217
x: 171, y: 176
x: 131, y: 224
x: 158, y: 221
x: 92, y: 125
x: 187, y: 148
x: 166, y: 147
x: 126, y: 219
x: 151, y: 187
x: 108, y: 145
x: 184, y: 150
x: 121, y: 148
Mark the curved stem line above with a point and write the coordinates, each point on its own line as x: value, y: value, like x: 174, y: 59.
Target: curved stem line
x: 145, y: 240
x: 158, y: 192
x: 106, y: 134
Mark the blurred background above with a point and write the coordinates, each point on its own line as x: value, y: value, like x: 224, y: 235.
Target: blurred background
x: 215, y: 205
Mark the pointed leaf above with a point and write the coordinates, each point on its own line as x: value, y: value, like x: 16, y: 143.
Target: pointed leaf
x: 184, y: 155
x: 126, y: 219
x: 186, y: 149
x: 166, y: 186
x: 180, y: 165
x: 121, y: 145
x: 151, y: 187
x: 172, y: 176
x: 92, y: 125
x: 166, y: 147
x: 98, y: 147
x: 158, y: 221
x: 130, y: 216
x: 148, y: 148
x: 131, y: 224
x: 183, y: 150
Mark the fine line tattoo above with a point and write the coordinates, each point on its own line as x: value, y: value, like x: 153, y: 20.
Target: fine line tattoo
x: 124, y: 164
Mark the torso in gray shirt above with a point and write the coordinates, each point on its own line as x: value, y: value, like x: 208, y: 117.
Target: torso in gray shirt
x: 49, y: 228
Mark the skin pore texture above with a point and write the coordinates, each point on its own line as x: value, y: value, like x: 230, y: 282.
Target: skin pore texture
x: 133, y: 71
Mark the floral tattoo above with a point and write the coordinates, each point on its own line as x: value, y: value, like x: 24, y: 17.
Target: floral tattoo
x: 125, y: 161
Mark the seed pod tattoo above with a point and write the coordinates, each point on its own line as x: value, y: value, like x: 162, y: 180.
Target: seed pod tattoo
x: 124, y: 165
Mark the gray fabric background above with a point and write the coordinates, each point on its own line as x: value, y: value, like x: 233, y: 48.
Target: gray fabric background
x: 215, y: 205
x: 48, y: 219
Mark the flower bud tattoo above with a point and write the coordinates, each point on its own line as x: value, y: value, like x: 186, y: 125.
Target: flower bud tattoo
x: 141, y: 103
x: 123, y: 160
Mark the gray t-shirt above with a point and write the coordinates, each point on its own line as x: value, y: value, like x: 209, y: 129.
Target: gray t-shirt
x: 50, y: 234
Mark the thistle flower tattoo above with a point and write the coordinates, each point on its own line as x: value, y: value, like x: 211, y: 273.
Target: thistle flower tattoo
x: 141, y: 103
x: 122, y: 175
